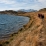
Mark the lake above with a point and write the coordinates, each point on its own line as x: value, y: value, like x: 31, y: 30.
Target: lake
x: 10, y: 24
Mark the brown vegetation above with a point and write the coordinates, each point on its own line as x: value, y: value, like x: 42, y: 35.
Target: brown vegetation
x: 34, y: 33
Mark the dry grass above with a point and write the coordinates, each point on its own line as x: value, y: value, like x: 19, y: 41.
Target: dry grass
x: 34, y: 33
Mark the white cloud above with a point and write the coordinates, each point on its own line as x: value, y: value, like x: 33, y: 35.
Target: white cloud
x: 41, y: 1
x: 23, y: 4
x: 35, y: 7
x: 7, y: 1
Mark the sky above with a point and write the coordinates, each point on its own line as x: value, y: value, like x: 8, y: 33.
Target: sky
x: 22, y: 4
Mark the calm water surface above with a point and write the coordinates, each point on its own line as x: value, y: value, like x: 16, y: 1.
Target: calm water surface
x: 10, y: 24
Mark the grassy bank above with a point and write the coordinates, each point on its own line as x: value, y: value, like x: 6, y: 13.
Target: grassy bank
x: 32, y: 34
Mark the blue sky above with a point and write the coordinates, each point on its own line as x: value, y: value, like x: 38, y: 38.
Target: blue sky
x: 22, y: 4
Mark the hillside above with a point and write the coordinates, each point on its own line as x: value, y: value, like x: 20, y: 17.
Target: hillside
x: 33, y: 34
x: 44, y: 9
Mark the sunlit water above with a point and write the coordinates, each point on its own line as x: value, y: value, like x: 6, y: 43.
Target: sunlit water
x: 10, y: 24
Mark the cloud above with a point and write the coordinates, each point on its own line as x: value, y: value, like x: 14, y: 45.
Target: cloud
x: 22, y: 4
x: 41, y: 1
x: 7, y: 1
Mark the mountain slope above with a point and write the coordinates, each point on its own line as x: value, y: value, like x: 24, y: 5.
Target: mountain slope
x: 30, y: 10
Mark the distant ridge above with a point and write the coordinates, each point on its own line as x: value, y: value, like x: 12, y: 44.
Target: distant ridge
x: 29, y: 10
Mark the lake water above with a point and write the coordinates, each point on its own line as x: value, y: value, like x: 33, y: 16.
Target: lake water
x: 10, y: 24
